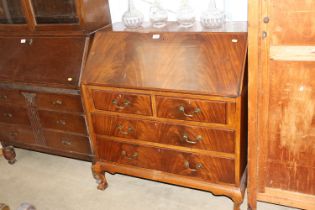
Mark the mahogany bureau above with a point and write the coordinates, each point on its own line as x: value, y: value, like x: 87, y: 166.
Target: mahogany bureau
x: 169, y: 106
x: 43, y: 49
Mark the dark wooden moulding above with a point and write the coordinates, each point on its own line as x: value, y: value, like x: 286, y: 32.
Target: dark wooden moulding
x: 170, y: 105
x: 43, y: 49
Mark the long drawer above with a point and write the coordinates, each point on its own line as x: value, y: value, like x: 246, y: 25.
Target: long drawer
x: 67, y: 142
x: 59, y: 102
x: 65, y: 122
x: 12, y: 97
x: 14, y: 133
x: 14, y: 115
x: 187, y: 136
x: 192, y: 110
x: 216, y: 170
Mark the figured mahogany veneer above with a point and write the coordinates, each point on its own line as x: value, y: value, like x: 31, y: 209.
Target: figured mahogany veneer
x: 192, y: 110
x: 208, y: 168
x: 122, y: 102
x: 170, y: 108
x: 197, y: 137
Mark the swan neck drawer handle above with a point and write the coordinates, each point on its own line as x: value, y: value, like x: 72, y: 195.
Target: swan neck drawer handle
x: 197, y: 168
x: 189, y: 141
x: 121, y: 106
x: 121, y: 131
x: 182, y: 110
x: 134, y: 156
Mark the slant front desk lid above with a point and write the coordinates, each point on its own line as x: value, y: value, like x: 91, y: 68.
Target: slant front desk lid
x: 201, y: 62
x: 55, y: 61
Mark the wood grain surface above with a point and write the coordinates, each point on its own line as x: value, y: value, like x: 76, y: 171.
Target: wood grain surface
x: 170, y: 134
x: 213, y: 169
x: 207, y: 63
x: 58, y: 60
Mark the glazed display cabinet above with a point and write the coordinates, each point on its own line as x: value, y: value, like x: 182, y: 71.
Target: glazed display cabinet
x: 53, y: 16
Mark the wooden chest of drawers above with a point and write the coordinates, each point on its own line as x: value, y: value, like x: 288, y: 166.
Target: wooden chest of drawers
x: 170, y: 109
x: 40, y: 102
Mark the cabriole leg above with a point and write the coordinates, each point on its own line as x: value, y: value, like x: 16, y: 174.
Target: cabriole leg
x: 237, y: 206
x: 99, y: 175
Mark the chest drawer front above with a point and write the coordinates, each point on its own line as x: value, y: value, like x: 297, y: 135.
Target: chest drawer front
x: 177, y: 135
x: 207, y: 168
x: 122, y: 102
x: 65, y: 122
x: 59, y: 102
x: 13, y: 133
x: 191, y: 110
x: 11, y: 97
x: 14, y: 115
x: 68, y: 143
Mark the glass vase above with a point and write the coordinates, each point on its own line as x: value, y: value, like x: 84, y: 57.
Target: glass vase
x: 132, y: 18
x: 186, y: 15
x: 158, y: 15
x: 213, y: 17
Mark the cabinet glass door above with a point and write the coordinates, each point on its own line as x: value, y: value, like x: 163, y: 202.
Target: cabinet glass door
x: 55, y: 11
x: 11, y: 12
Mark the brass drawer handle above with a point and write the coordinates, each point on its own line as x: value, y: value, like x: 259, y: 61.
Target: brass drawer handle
x: 66, y: 142
x: 189, y: 141
x: 121, y: 106
x: 8, y: 115
x: 134, y: 156
x: 3, y: 97
x: 182, y: 109
x: 61, y: 122
x: 198, y: 166
x: 129, y: 130
x: 57, y: 102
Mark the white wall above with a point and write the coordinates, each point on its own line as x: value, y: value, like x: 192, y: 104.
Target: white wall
x: 236, y: 10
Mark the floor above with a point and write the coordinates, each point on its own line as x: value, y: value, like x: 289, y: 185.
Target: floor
x: 56, y: 183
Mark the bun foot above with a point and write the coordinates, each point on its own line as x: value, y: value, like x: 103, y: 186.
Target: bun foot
x: 9, y: 154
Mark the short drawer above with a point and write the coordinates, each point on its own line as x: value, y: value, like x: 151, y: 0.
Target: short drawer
x: 192, y: 110
x: 14, y: 115
x: 14, y: 133
x: 13, y: 97
x: 59, y: 102
x: 68, y: 143
x: 217, y: 170
x: 204, y: 138
x: 122, y: 102
x: 60, y: 121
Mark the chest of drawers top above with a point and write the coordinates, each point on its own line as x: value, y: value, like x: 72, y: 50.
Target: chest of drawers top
x: 183, y: 61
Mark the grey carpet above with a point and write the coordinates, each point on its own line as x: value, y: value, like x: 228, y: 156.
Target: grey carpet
x: 57, y: 183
